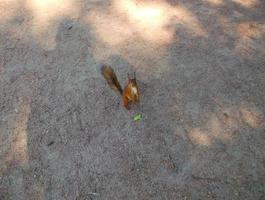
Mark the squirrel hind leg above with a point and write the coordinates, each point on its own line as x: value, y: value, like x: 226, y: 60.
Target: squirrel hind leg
x: 126, y: 103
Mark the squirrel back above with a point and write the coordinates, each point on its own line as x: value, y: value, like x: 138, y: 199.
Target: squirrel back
x: 111, y: 78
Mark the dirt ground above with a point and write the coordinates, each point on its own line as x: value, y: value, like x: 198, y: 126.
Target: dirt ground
x: 201, y: 70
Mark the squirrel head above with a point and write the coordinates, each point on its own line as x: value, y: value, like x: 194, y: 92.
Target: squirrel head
x: 132, y: 80
x: 134, y: 88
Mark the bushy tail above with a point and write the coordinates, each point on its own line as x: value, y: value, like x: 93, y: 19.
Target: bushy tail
x: 111, y: 78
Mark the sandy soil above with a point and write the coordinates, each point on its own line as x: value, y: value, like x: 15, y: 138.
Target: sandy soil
x: 201, y: 69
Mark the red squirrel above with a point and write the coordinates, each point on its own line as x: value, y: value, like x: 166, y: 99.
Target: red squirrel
x: 130, y: 94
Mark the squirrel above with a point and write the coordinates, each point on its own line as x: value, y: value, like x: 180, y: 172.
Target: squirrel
x: 130, y: 94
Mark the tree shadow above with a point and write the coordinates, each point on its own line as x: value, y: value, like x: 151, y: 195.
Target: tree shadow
x: 202, y: 105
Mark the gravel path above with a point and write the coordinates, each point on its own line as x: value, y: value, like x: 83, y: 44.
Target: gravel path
x: 64, y: 134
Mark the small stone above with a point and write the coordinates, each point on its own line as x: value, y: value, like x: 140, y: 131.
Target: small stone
x: 50, y: 143
x: 226, y: 115
x: 220, y: 145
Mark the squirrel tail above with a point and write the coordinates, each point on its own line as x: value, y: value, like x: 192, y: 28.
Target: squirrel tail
x: 111, y: 78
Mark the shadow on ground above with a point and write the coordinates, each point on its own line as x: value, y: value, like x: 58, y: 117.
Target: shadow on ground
x: 200, y: 66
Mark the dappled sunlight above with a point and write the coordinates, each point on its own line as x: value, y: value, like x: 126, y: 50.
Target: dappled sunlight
x: 149, y: 19
x: 46, y: 16
x: 126, y: 20
x: 151, y: 14
x: 237, y: 116
x: 214, y: 129
x: 248, y: 3
x: 252, y: 117
x: 152, y: 21
x: 216, y: 2
x: 66, y: 135
x: 248, y: 36
x: 224, y: 124
x: 229, y: 118
x: 218, y: 129
x: 48, y: 10
x: 141, y: 31
x: 8, y: 9
x: 190, y: 22
x: 199, y: 137
x: 155, y: 18
x: 111, y: 29
x: 17, y: 154
x: 251, y: 29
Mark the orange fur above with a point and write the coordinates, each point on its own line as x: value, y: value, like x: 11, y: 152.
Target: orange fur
x: 128, y: 94
x: 131, y: 92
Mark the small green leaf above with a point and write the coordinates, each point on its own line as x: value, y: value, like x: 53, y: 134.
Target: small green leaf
x: 137, y: 117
